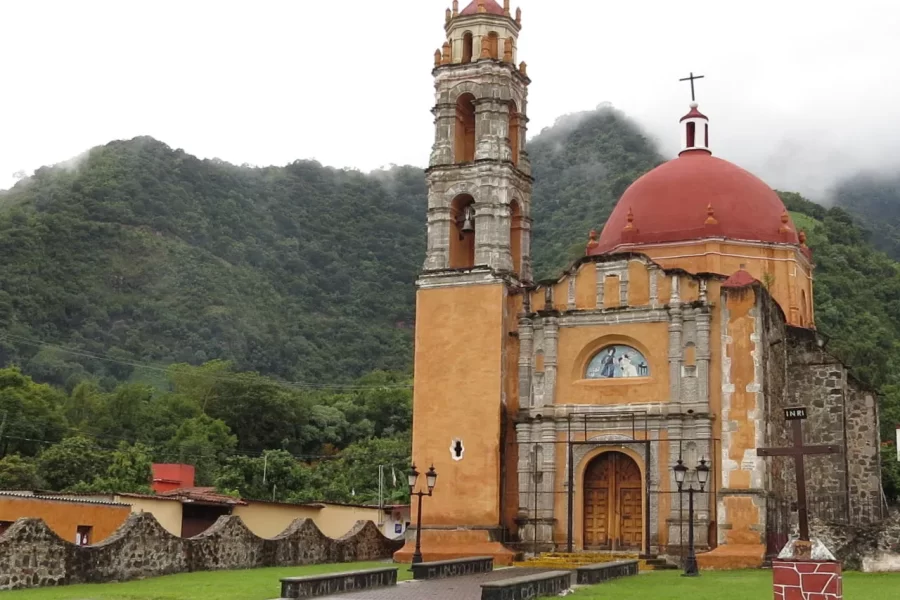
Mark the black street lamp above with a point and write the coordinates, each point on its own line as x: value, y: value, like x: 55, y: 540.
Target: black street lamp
x: 430, y: 480
x: 690, y: 567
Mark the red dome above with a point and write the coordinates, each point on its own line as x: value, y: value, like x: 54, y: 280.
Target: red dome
x: 490, y: 5
x: 696, y: 196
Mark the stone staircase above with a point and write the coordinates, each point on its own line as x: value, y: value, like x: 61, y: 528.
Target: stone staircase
x: 570, y: 561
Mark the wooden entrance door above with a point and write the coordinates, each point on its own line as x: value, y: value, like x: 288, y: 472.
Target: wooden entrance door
x: 613, y: 503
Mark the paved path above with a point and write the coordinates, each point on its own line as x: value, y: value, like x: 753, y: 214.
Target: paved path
x: 453, y: 588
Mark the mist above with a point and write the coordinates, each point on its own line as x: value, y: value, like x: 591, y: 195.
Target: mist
x: 801, y: 93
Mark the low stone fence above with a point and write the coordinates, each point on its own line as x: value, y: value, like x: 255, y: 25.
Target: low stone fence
x: 453, y: 568
x: 529, y: 587
x: 601, y: 572
x: 316, y: 586
x: 871, y: 548
x: 32, y: 555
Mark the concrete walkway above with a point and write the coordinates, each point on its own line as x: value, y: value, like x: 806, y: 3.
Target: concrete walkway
x: 454, y: 588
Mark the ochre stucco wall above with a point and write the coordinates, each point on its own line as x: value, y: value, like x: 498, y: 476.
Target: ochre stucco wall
x: 167, y: 512
x: 268, y: 520
x: 459, y: 364
x: 577, y: 345
x: 65, y: 517
x: 788, y: 271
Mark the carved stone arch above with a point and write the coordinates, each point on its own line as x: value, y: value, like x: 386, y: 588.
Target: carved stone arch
x: 466, y: 87
x: 458, y: 189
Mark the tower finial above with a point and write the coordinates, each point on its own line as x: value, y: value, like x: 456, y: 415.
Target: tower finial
x: 523, y: 68
x: 506, y: 7
x: 449, y: 16
x: 446, y: 56
x: 711, y: 215
x: 630, y: 225
x: 455, y: 8
x: 481, y: 7
x: 437, y: 57
x: 519, y: 17
x: 785, y: 222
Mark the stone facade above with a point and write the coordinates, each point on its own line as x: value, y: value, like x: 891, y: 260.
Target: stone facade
x: 841, y: 411
x: 32, y: 555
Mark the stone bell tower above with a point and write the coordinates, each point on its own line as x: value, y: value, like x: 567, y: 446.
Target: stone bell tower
x: 470, y: 290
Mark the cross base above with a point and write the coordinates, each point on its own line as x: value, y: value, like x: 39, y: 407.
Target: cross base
x: 806, y: 571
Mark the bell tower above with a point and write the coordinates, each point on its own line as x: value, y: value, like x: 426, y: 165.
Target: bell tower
x: 470, y: 290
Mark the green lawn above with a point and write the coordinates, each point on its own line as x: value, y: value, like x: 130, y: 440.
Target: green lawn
x: 730, y: 585
x: 262, y: 584
x: 257, y: 584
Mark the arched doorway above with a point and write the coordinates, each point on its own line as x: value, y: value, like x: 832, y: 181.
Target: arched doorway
x: 613, y: 503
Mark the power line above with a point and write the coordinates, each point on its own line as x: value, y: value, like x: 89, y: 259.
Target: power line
x: 234, y: 378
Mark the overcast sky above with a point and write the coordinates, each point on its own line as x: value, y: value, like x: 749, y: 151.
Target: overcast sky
x: 800, y: 92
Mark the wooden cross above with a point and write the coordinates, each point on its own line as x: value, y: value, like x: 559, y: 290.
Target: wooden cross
x: 691, y: 79
x: 798, y: 451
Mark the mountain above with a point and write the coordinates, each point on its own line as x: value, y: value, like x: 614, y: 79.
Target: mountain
x: 149, y: 255
x: 874, y: 198
x: 138, y: 255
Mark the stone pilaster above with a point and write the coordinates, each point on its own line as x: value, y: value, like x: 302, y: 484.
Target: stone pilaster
x: 676, y: 356
x: 703, y: 356
x: 551, y: 343
x: 526, y: 364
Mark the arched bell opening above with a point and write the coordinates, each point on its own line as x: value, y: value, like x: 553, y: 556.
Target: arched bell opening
x: 465, y: 129
x: 462, y: 232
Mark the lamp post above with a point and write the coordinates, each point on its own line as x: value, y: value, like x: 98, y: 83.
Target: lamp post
x: 690, y: 568
x: 430, y: 480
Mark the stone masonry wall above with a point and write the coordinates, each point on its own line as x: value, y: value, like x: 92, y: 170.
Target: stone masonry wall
x: 32, y: 555
x: 840, y: 412
x: 871, y: 548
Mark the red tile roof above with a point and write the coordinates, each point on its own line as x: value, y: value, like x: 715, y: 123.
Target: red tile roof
x: 739, y: 279
x: 204, y: 495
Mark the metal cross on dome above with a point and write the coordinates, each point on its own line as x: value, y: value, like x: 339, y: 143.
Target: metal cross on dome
x: 691, y: 79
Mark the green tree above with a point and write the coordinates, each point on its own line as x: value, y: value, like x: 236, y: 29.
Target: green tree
x: 205, y: 443
x: 72, y: 461
x: 17, y: 473
x: 275, y: 476
x: 32, y: 413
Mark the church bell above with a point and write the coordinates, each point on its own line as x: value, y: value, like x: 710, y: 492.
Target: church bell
x: 468, y: 225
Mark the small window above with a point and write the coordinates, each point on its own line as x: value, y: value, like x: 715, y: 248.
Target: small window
x: 457, y: 450
x: 691, y: 134
x: 83, y: 535
x: 618, y: 362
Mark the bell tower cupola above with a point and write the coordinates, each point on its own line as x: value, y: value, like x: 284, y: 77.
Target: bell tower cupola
x: 479, y: 176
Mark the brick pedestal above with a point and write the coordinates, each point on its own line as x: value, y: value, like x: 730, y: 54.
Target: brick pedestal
x: 806, y: 571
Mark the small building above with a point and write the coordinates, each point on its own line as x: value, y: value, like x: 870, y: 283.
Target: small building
x: 81, y: 521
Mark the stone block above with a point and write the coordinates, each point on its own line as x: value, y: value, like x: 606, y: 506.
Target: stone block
x: 600, y: 572
x: 337, y: 583
x: 542, y: 585
x: 453, y: 568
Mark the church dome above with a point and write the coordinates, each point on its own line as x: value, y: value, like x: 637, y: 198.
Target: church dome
x: 696, y: 196
x: 490, y: 6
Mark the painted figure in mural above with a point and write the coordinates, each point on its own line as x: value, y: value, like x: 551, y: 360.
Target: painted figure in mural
x: 628, y: 368
x: 608, y: 368
x: 619, y: 362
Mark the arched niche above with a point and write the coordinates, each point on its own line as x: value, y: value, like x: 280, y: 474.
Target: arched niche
x: 464, y: 135
x: 590, y: 362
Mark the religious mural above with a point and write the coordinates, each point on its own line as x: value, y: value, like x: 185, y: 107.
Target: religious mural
x: 618, y: 361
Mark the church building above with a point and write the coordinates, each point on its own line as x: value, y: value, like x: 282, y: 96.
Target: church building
x: 554, y: 413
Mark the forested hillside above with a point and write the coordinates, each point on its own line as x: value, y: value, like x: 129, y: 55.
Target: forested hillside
x: 147, y: 254
x: 145, y: 286
x: 875, y: 200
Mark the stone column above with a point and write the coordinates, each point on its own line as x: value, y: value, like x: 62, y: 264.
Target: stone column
x: 491, y: 130
x: 571, y: 299
x: 444, y: 123
x: 548, y: 468
x: 654, y: 286
x: 551, y: 341
x: 601, y: 283
x: 623, y: 286
x: 676, y: 326
x: 526, y: 365
x: 703, y: 356
x: 437, y: 255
